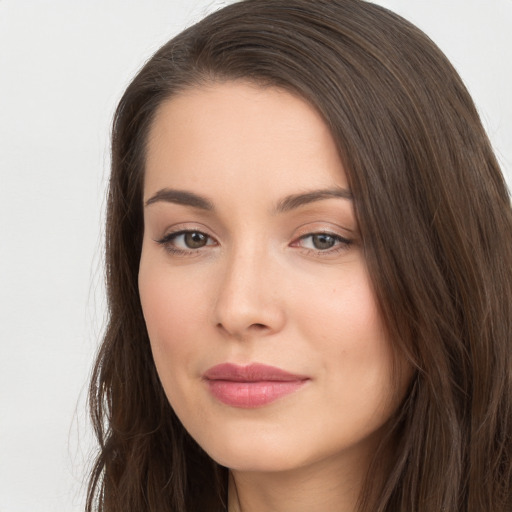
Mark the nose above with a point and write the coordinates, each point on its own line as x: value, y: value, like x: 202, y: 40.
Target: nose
x: 249, y: 303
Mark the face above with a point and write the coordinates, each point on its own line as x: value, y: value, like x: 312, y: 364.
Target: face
x: 261, y: 316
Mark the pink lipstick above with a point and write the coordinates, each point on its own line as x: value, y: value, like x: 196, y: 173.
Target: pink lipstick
x: 250, y: 386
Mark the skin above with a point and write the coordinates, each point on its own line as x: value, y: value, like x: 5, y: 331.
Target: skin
x: 259, y: 290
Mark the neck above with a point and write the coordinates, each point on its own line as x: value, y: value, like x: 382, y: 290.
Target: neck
x: 329, y: 486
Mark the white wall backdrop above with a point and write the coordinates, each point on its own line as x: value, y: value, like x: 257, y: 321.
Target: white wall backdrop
x: 63, y: 66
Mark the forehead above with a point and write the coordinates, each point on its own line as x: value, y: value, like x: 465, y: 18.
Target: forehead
x: 238, y: 136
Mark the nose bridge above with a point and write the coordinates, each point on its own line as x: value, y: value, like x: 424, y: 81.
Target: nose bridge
x: 248, y: 300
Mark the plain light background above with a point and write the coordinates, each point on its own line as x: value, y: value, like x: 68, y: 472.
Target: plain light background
x: 63, y: 67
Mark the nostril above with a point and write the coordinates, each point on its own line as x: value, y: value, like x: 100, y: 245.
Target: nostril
x: 259, y: 326
x: 251, y: 327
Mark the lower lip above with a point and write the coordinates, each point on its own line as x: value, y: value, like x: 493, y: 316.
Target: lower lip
x: 249, y: 395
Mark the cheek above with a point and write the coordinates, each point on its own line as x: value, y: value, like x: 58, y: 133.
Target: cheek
x: 173, y: 300
x: 174, y: 310
x: 341, y: 314
x: 355, y: 354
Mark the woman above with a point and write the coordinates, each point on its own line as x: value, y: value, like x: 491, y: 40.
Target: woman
x: 308, y: 254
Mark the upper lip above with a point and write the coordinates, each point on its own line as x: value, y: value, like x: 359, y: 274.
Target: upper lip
x: 255, y: 372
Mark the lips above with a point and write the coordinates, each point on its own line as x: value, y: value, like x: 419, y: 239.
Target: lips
x: 251, y: 386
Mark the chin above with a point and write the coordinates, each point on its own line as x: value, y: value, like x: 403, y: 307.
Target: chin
x: 259, y: 458
x: 264, y: 450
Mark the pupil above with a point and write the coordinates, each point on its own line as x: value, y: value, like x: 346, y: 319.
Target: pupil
x: 323, y: 241
x: 195, y: 240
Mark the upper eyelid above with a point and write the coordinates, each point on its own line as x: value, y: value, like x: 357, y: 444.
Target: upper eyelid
x: 322, y: 227
x: 338, y: 231
x: 180, y: 228
x: 309, y: 232
x: 179, y: 232
x: 327, y: 233
x: 340, y: 238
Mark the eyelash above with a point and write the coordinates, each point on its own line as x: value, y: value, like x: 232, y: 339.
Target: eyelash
x: 341, y: 243
x: 168, y: 240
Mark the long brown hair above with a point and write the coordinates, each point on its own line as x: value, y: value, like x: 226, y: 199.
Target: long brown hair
x: 435, y: 220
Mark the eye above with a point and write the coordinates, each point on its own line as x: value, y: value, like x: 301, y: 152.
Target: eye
x: 322, y: 242
x: 192, y: 239
x: 186, y: 241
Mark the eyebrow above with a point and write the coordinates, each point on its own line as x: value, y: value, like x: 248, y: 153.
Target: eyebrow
x: 286, y: 204
x: 297, y: 200
x: 183, y: 197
